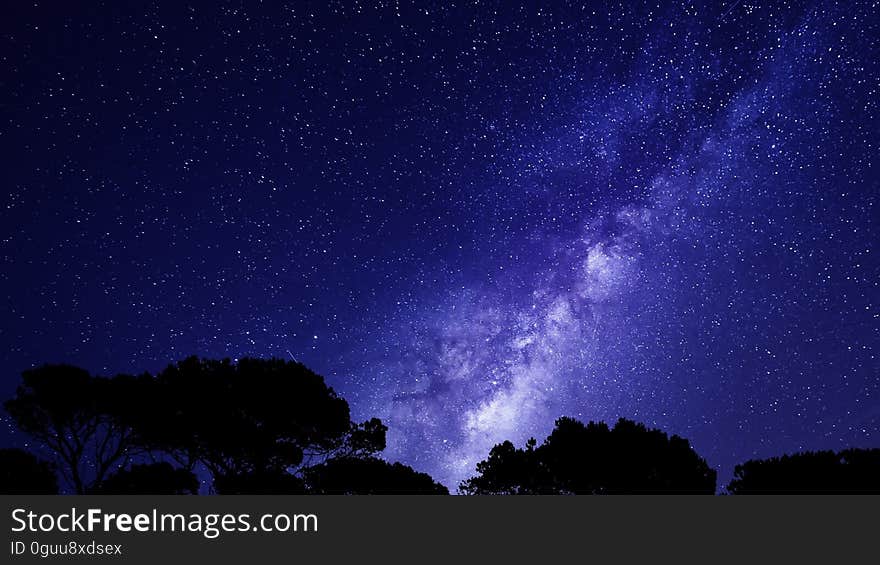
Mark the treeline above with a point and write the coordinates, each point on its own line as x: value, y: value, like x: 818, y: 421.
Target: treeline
x: 255, y: 426
x: 274, y: 427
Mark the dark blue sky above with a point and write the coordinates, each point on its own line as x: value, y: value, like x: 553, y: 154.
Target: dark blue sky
x: 472, y: 219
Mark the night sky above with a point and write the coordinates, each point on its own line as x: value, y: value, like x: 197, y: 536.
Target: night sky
x: 471, y: 219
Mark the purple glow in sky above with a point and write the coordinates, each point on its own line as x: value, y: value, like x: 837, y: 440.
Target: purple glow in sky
x: 471, y: 219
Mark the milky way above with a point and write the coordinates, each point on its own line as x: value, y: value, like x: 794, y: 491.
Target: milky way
x: 641, y: 310
x: 472, y: 220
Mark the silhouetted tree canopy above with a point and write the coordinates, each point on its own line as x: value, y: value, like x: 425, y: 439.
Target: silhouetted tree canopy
x: 347, y: 475
x: 77, y: 418
x: 853, y: 471
x: 23, y: 473
x: 259, y: 418
x: 257, y: 426
x: 154, y: 478
x: 593, y: 459
x: 260, y: 482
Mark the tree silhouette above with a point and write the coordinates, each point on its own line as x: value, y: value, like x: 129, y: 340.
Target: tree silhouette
x: 593, y: 459
x: 259, y: 482
x: 852, y: 471
x: 250, y: 423
x: 23, y: 473
x: 76, y: 417
x: 154, y: 478
x: 348, y: 475
x: 257, y: 426
x: 509, y: 470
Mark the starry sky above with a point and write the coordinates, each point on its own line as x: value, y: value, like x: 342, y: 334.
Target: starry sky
x: 471, y: 218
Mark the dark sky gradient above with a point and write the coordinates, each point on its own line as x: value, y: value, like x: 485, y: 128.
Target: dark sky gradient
x: 470, y: 219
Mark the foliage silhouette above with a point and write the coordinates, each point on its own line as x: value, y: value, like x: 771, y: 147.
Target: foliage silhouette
x: 78, y: 418
x: 23, y: 473
x: 154, y: 478
x: 348, y: 475
x: 269, y: 426
x: 257, y: 426
x: 260, y: 482
x: 852, y: 471
x: 593, y: 459
x: 254, y: 419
